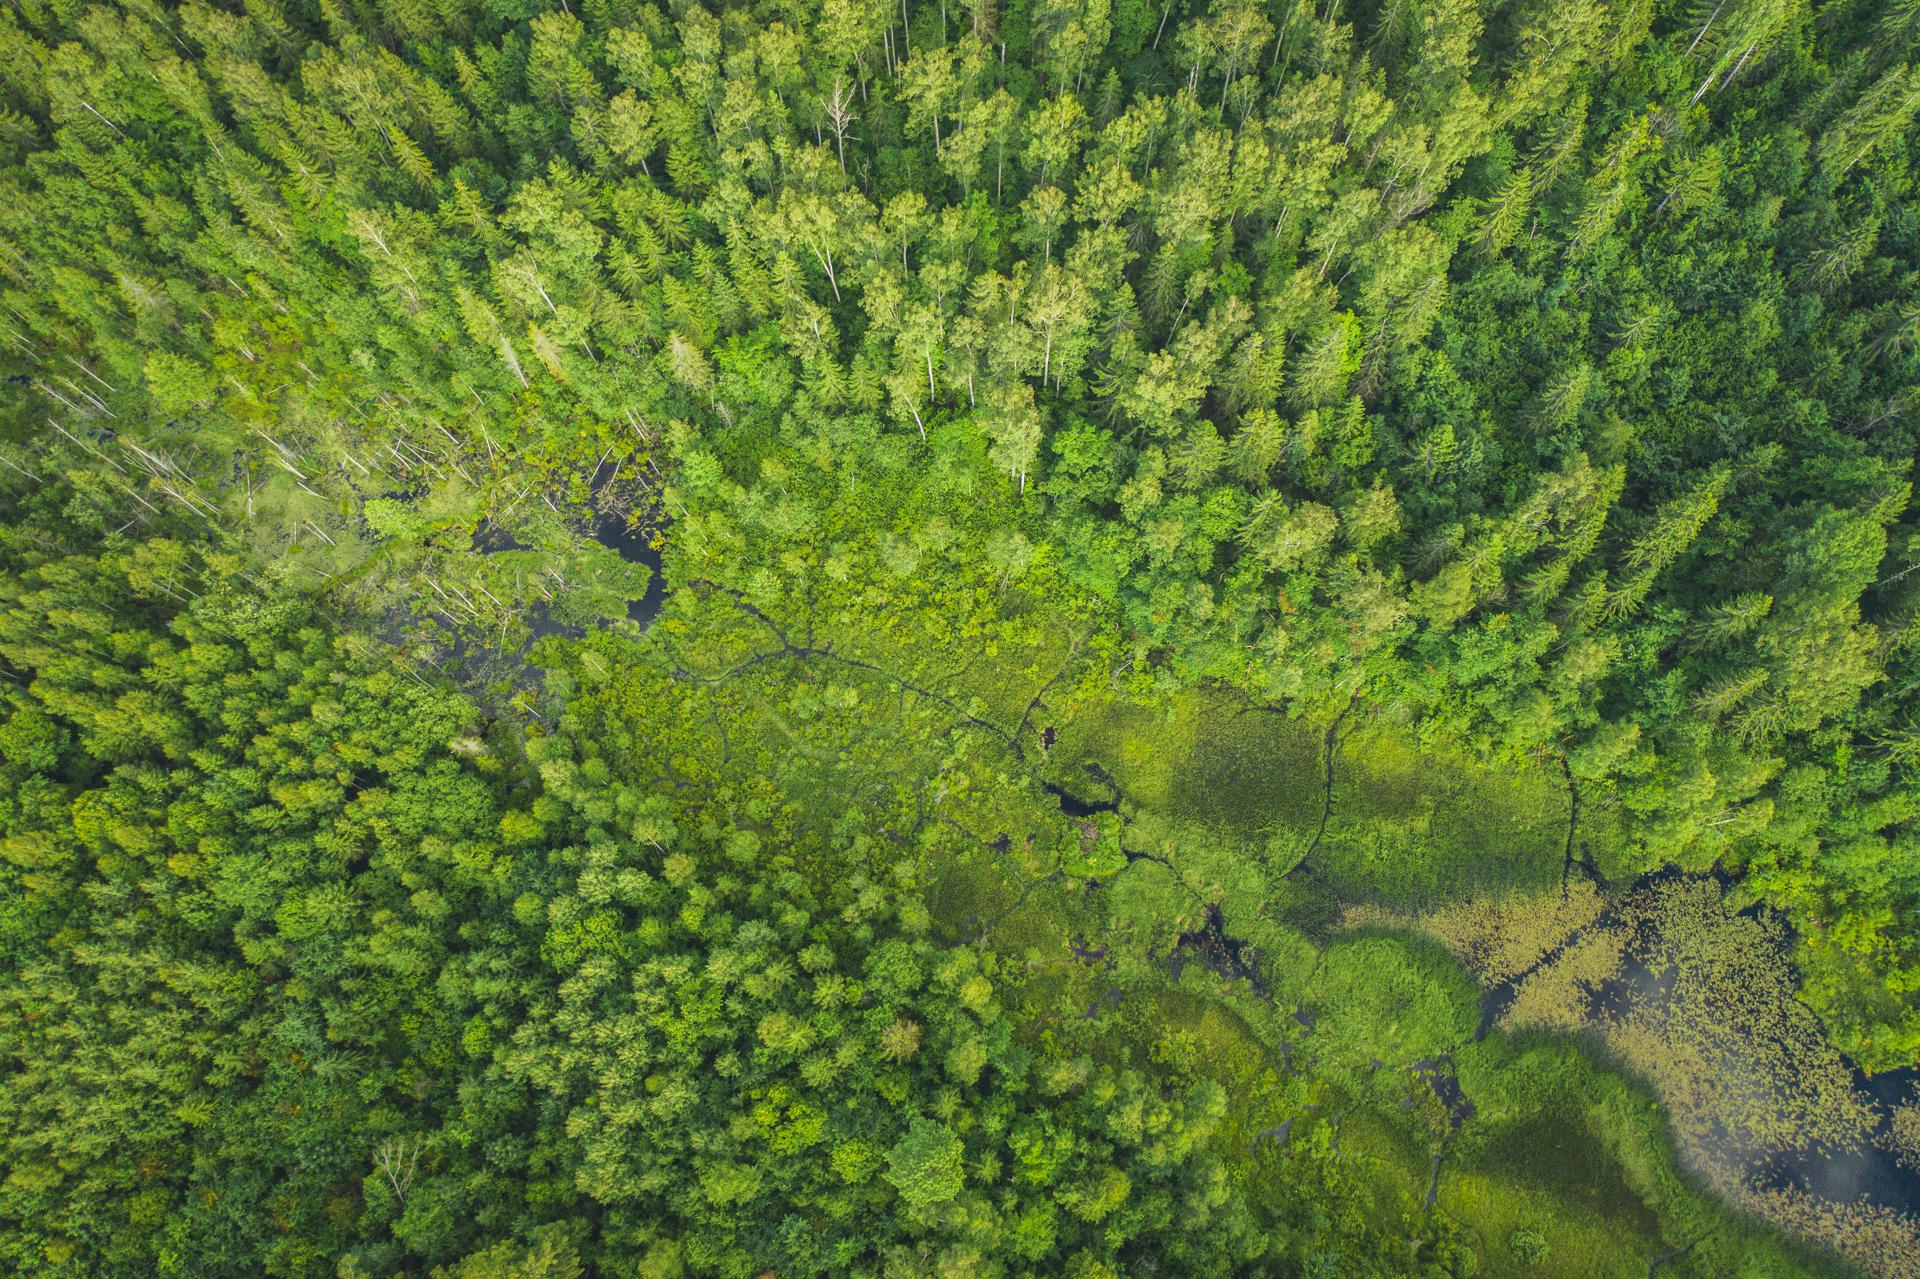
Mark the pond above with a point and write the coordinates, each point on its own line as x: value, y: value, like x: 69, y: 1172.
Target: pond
x: 634, y: 545
x: 1655, y: 984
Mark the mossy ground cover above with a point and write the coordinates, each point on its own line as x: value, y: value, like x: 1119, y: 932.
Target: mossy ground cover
x: 1406, y: 824
x: 1564, y: 1168
x: 1204, y: 757
x: 1413, y: 825
x: 1573, y: 1241
x: 910, y: 755
x: 1546, y: 1172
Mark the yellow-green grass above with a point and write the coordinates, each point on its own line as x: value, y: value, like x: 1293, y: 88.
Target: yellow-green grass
x: 1411, y: 825
x: 1392, y: 1166
x: 1203, y: 757
x: 1582, y: 1242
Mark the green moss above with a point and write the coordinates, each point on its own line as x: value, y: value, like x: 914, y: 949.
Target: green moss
x: 1406, y: 823
x: 1204, y: 757
x: 1421, y: 827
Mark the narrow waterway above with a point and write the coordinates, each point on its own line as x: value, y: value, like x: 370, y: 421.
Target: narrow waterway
x: 1865, y: 1170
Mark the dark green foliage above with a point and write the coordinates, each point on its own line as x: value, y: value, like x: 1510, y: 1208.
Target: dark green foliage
x: 1540, y: 375
x: 1235, y: 397
x: 239, y: 868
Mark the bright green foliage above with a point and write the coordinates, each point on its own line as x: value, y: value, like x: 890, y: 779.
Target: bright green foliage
x: 1499, y: 417
x: 297, y: 984
x: 924, y: 1166
x: 1538, y: 375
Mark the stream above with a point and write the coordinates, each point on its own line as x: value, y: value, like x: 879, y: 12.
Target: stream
x: 1869, y: 1173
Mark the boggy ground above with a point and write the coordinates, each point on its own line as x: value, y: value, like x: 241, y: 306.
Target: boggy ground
x: 1309, y: 913
x: 1584, y: 970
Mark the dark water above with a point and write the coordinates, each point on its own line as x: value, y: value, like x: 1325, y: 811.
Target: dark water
x: 489, y: 539
x: 1218, y: 950
x: 1871, y: 1175
x: 632, y: 545
x: 1073, y: 806
x: 1440, y: 1076
x: 635, y: 547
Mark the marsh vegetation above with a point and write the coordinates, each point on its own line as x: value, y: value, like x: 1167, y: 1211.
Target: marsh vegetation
x: 1086, y: 638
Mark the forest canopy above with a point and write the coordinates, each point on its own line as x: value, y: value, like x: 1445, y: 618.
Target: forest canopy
x: 894, y: 638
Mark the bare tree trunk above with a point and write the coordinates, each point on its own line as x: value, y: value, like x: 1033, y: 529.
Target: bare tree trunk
x: 826, y: 260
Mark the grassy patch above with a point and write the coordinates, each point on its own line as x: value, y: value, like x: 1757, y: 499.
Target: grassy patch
x: 1393, y: 1166
x: 1406, y: 825
x: 1204, y: 758
x: 1389, y: 999
x: 1579, y: 1243
x: 1420, y: 827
